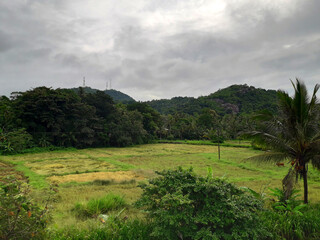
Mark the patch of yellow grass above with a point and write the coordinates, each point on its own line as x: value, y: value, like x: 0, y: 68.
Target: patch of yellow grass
x: 151, y: 150
x: 61, y: 166
x: 89, y: 177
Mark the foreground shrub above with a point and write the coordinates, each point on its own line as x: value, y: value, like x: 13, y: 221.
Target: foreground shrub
x: 183, y: 205
x: 94, y: 207
x: 20, y: 218
x: 293, y: 225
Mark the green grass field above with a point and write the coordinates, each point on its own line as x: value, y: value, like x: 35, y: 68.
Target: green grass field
x: 85, y: 174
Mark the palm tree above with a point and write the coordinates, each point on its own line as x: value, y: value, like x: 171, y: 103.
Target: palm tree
x: 293, y: 133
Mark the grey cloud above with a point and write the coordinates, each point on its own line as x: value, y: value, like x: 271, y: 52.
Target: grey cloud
x: 50, y: 42
x: 6, y: 43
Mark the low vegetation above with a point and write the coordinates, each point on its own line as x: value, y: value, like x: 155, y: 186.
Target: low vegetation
x: 20, y: 217
x: 226, y: 195
x: 95, y: 207
x: 183, y: 205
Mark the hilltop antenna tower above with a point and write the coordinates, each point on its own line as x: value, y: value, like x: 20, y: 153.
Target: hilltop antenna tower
x: 110, y: 84
x: 84, y: 82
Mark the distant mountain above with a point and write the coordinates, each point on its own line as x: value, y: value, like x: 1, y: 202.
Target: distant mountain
x: 238, y: 99
x: 117, y: 96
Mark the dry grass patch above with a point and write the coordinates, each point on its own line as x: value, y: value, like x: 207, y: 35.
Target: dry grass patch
x: 8, y: 170
x: 119, y: 176
x: 62, y: 166
x: 151, y: 150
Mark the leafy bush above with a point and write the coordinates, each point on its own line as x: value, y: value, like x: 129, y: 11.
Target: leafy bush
x: 294, y: 226
x: 19, y: 217
x: 183, y: 205
x: 287, y: 206
x: 14, y: 141
x: 94, y: 207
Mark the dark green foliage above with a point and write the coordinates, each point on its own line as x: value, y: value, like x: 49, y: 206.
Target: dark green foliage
x: 7, y: 116
x: 57, y: 117
x: 102, y: 103
x: 48, y: 118
x: 183, y: 205
x: 294, y: 226
x: 127, y: 128
x: 234, y: 99
x: 20, y: 218
x: 14, y: 141
x: 182, y: 126
x: 118, y: 96
x: 94, y: 207
x: 151, y: 118
x: 203, y: 126
x: 187, y: 105
x: 86, y: 117
x: 287, y: 204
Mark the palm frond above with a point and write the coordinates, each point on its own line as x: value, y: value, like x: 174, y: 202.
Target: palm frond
x: 284, y: 101
x: 270, y: 157
x: 313, y: 101
x: 301, y: 102
x: 271, y: 141
x: 263, y: 115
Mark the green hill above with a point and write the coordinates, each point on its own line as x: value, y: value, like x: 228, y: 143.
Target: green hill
x: 238, y: 99
x: 117, y: 96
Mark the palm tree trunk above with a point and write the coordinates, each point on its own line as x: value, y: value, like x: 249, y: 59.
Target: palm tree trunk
x: 305, y: 184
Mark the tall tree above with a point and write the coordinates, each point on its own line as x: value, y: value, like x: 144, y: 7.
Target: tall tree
x: 151, y: 118
x: 293, y: 134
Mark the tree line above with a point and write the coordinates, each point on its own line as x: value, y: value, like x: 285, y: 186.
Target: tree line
x: 44, y: 117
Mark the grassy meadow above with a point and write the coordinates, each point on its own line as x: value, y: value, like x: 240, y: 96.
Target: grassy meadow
x: 82, y: 175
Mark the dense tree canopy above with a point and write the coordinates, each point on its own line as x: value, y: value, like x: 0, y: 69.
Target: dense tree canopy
x: 86, y: 117
x: 47, y: 117
x: 236, y: 99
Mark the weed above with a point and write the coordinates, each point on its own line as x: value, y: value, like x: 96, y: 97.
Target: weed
x: 115, y: 229
x: 94, y: 207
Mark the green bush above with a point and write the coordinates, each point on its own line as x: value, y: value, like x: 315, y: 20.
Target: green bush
x: 291, y: 205
x: 19, y: 217
x: 294, y: 226
x: 183, y: 205
x: 14, y: 141
x: 94, y: 207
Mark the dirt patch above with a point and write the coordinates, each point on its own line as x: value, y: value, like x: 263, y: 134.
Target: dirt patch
x: 90, y: 177
x: 8, y: 170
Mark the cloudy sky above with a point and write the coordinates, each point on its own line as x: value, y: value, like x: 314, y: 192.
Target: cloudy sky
x: 154, y: 49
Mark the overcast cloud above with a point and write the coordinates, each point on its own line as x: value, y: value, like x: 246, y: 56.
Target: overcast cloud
x: 158, y: 49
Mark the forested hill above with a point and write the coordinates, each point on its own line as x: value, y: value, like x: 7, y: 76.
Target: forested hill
x: 242, y: 99
x: 117, y: 96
